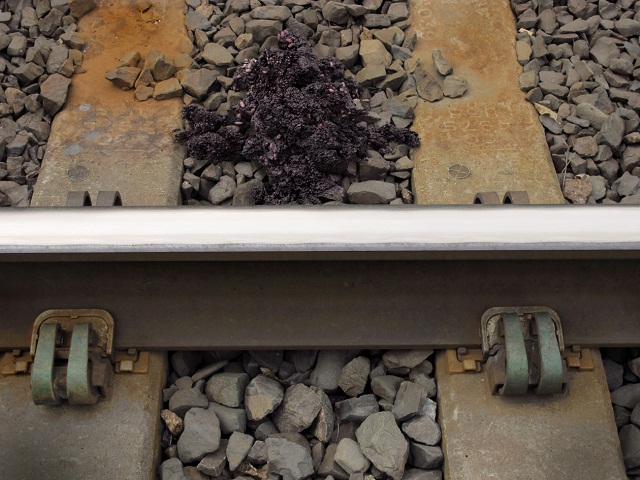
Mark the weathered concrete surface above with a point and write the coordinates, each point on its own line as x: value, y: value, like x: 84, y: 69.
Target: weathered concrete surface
x: 121, y: 144
x: 492, y: 130
x: 116, y: 438
x: 562, y: 438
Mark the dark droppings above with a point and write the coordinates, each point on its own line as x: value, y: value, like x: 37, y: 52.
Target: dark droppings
x: 298, y: 120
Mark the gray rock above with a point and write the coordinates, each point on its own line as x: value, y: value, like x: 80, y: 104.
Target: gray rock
x: 28, y: 73
x: 371, y: 192
x: 612, y: 131
x: 405, y: 358
x: 374, y: 52
x: 419, y: 474
x: 54, y: 93
x: 598, y: 192
x: 183, y: 400
x: 386, y: 386
x: 382, y: 442
x: 398, y: 12
x: 322, y: 427
x: 592, y: 114
x: 400, y: 106
x: 357, y: 409
x: 79, y: 8
x: 262, y: 396
x: 428, y: 408
x: 201, y: 435
x: 195, y: 20
x: 425, y: 456
x: 428, y: 89
x: 166, y: 89
x: 348, y: 55
x: 423, y: 429
x: 206, y: 372
x: 407, y: 402
x: 271, y: 12
x: 604, y: 50
x: 171, y: 469
x: 528, y: 80
x: 216, y: 54
x: 288, y: 459
x: 238, y: 448
x: 328, y: 367
x: 222, y: 190
x: 329, y: 467
x: 577, y: 26
x: 213, y: 463
x: 335, y: 12
x: 628, y: 185
x: 130, y: 59
x: 374, y: 167
x: 57, y: 56
x: 258, y: 453
x: 18, y: 194
x: 298, y: 409
x: 630, y: 443
x: 243, y: 194
x: 441, y: 63
x: 622, y: 416
x: 628, y: 27
x: 227, y: 388
x: 350, y: 458
x: 231, y: 419
x: 159, y: 65
x: 627, y: 396
x: 262, y: 29
x: 376, y: 20
x: 455, y: 86
x: 371, y: 74
x: 265, y: 430
x: 354, y: 375
x: 18, y: 46
x: 123, y: 77
x: 523, y: 52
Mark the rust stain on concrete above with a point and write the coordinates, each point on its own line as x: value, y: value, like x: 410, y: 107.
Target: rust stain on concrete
x: 124, y: 145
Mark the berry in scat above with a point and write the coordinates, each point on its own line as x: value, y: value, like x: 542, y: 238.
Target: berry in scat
x: 298, y: 119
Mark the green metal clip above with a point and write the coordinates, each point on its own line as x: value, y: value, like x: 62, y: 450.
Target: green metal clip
x: 517, y: 365
x: 551, y: 365
x: 42, y: 374
x: 79, y: 389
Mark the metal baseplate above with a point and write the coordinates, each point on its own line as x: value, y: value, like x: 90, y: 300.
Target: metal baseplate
x: 522, y: 351
x: 72, y: 358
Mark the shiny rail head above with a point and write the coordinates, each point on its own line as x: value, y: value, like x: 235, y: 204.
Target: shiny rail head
x: 303, y: 232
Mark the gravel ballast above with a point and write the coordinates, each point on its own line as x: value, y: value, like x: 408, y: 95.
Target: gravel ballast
x: 622, y: 368
x: 581, y: 70
x: 303, y: 414
x: 39, y: 52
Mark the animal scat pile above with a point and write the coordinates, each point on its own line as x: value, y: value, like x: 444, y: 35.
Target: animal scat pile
x: 298, y: 120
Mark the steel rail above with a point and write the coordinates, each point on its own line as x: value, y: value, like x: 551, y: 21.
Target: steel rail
x: 289, y: 231
x: 321, y: 277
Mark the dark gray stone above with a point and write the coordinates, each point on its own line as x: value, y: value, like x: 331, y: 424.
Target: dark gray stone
x: 262, y: 396
x: 407, y: 402
x: 357, y: 409
x: 425, y: 456
x: 322, y: 427
x: 627, y: 396
x: 213, y: 463
x: 386, y: 386
x: 231, y: 419
x: 171, y: 469
x: 354, y: 375
x: 288, y: 459
x: 382, y: 442
x: 630, y: 443
x: 183, y: 400
x: 227, y: 388
x: 123, y: 77
x: 238, y: 448
x: 423, y: 429
x: 201, y: 435
x: 329, y: 365
x: 198, y: 83
x: 371, y: 192
x: 298, y: 409
x: 350, y: 458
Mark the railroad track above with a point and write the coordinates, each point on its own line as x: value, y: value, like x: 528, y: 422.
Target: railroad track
x: 313, y: 303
